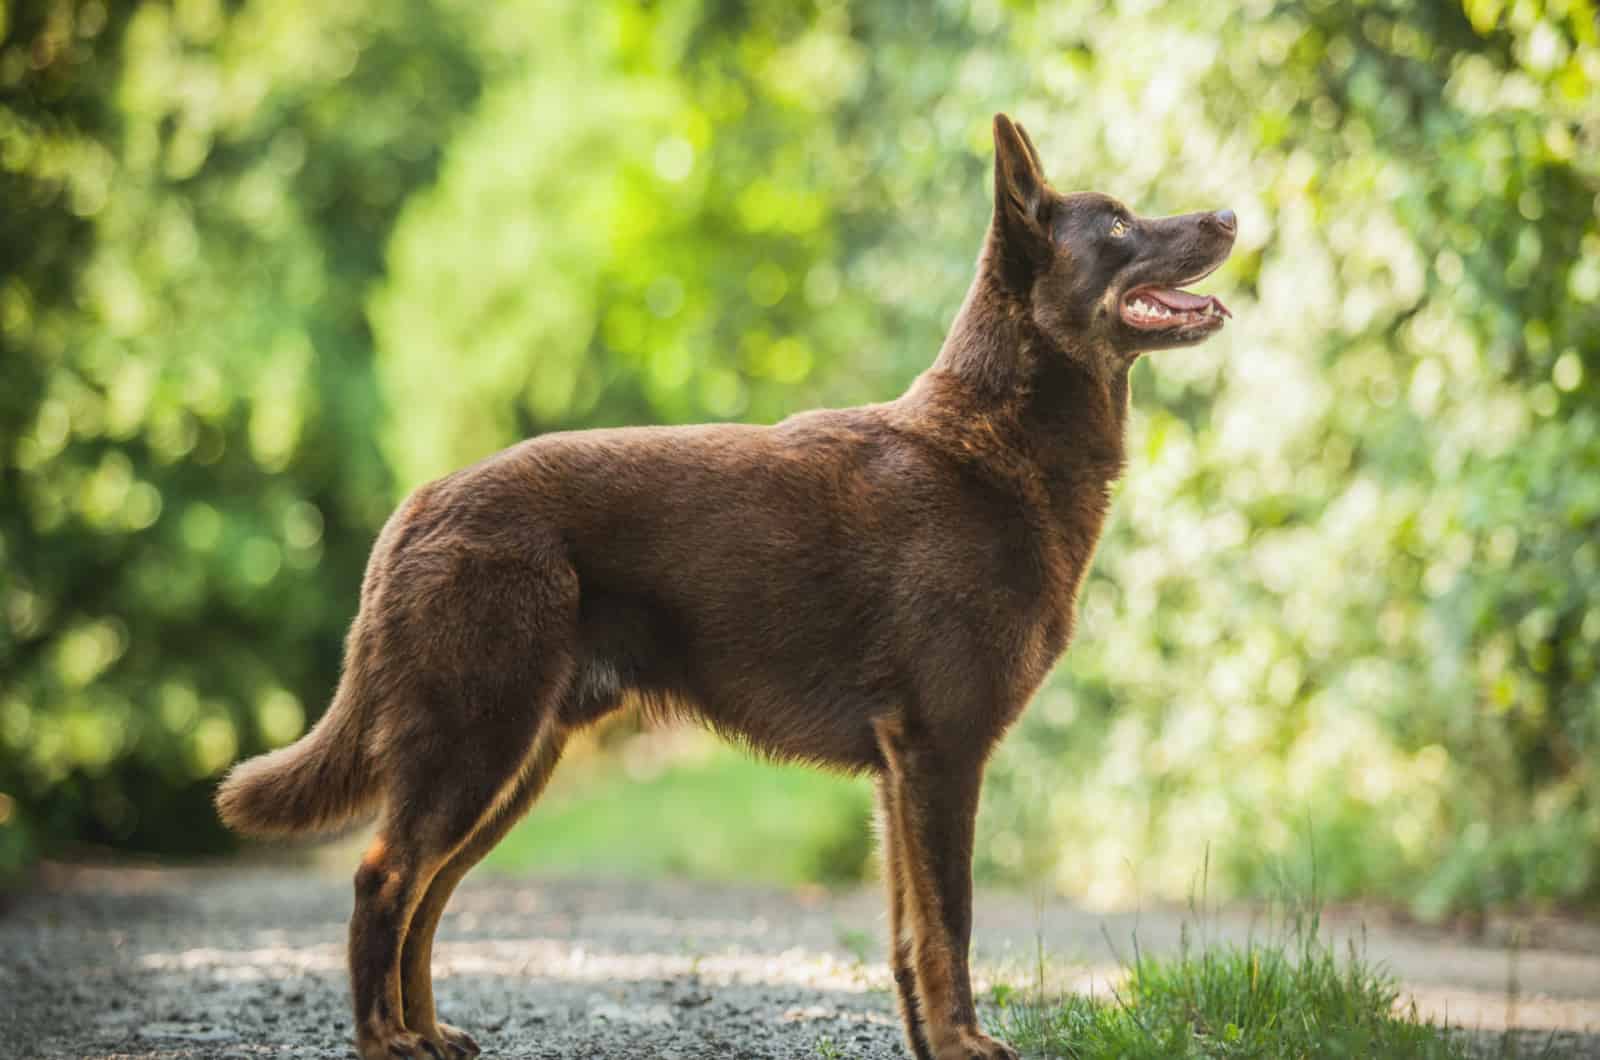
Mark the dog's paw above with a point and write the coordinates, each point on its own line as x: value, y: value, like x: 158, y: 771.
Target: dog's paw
x: 974, y: 1045
x: 458, y: 1042
x: 401, y: 1045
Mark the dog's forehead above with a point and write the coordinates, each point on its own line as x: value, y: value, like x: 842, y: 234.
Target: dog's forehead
x: 1091, y: 203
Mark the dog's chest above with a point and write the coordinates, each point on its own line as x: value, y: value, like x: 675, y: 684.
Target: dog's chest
x: 1067, y: 534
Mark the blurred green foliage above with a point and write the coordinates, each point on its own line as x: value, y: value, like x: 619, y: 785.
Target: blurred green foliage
x: 264, y: 266
x: 782, y: 824
x: 197, y: 199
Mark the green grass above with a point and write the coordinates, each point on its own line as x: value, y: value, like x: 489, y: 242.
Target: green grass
x: 726, y: 816
x: 826, y: 1049
x: 1293, y: 999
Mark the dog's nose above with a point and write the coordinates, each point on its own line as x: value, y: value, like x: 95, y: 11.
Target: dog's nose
x: 1226, y: 219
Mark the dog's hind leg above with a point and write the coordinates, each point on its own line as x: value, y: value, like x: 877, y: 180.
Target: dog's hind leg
x: 478, y: 656
x: 416, y: 960
x: 932, y: 811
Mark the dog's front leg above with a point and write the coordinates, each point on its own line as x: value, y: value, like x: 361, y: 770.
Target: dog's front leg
x: 930, y: 807
x: 901, y: 938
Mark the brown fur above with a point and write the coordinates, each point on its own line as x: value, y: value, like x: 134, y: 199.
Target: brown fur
x: 878, y: 590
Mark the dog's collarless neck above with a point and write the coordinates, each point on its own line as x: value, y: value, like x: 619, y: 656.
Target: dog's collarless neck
x: 997, y: 374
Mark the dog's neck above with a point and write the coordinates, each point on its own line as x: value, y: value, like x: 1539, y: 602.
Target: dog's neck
x: 1067, y: 409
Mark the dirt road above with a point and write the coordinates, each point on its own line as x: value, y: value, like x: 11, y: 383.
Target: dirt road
x: 248, y: 962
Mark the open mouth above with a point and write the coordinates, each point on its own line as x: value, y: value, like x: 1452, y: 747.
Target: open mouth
x: 1152, y: 308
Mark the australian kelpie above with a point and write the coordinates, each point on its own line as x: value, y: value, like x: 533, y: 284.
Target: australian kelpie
x: 876, y: 590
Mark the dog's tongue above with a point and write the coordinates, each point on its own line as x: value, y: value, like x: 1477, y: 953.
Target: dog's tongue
x: 1183, y: 301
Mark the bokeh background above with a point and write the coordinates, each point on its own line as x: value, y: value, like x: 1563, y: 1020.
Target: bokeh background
x: 266, y: 265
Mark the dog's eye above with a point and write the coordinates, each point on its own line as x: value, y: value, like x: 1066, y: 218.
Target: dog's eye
x: 1119, y: 228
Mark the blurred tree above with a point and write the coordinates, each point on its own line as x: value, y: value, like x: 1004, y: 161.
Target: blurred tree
x: 52, y: 59
x: 191, y: 478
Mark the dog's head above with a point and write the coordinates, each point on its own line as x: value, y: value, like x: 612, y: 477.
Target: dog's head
x: 1097, y: 279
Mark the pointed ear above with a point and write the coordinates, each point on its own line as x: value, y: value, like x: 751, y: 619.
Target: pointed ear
x: 1033, y: 152
x: 1018, y: 184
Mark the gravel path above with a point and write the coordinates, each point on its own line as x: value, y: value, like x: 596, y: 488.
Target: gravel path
x: 248, y: 962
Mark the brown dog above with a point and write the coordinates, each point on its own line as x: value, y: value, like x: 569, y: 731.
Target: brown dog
x: 877, y: 590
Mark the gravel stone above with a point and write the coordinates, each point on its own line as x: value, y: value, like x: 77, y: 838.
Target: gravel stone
x: 248, y: 962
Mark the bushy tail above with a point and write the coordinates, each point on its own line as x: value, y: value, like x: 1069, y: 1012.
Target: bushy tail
x: 316, y: 783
